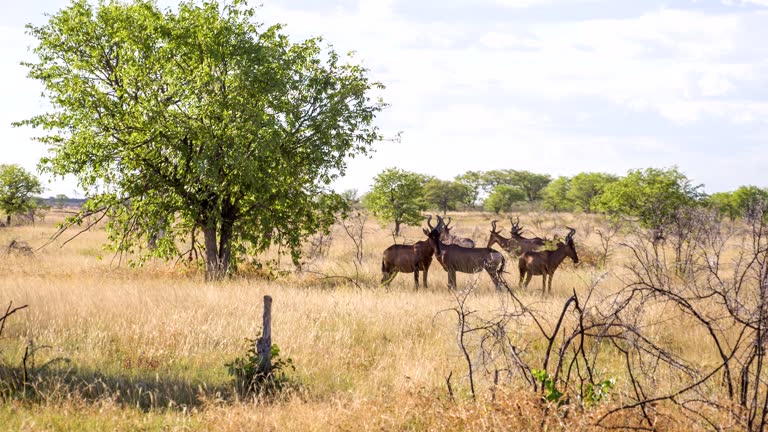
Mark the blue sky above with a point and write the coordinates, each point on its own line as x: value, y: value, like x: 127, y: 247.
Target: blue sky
x: 550, y: 86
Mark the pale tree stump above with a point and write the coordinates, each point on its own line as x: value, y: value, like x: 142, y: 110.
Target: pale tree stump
x: 264, y: 344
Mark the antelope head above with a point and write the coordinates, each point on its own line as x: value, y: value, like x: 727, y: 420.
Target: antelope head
x: 516, y: 228
x: 571, y: 247
x: 434, y: 236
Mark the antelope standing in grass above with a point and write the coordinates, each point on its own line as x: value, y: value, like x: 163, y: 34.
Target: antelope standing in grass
x: 545, y: 262
x: 400, y: 258
x: 516, y: 245
x: 448, y: 238
x: 455, y: 258
x: 526, y: 244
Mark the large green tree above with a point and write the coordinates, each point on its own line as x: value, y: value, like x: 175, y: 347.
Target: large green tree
x: 198, y: 119
x: 530, y: 183
x: 750, y: 201
x: 555, y: 194
x: 17, y: 191
x: 746, y: 201
x: 502, y: 198
x: 444, y: 195
x: 584, y: 188
x: 473, y: 183
x: 654, y: 196
x: 397, y: 196
x: 724, y: 203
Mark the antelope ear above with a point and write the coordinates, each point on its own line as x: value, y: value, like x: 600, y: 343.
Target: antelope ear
x: 425, y: 231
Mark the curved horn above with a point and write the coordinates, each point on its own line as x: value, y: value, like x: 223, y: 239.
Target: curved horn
x: 515, y: 226
x: 429, y: 220
x: 449, y: 222
x: 571, y: 233
x: 493, y: 224
x: 440, y: 222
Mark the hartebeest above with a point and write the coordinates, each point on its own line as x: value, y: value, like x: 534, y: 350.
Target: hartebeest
x: 545, y: 262
x: 448, y: 238
x: 526, y: 244
x: 455, y: 258
x: 400, y: 258
x: 517, y: 244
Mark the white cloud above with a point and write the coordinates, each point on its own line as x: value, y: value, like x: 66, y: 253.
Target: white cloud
x: 523, y: 3
x: 375, y: 9
x: 745, y: 2
x: 714, y: 84
x: 504, y: 40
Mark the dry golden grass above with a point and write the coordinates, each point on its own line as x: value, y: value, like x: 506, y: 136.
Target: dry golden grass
x: 145, y: 348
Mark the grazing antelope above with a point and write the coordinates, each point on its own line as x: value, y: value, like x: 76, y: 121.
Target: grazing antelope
x: 455, y: 258
x: 545, y: 262
x: 448, y: 238
x: 400, y: 258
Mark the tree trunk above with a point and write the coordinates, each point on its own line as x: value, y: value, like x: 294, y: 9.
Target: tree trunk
x: 217, y: 253
x: 213, y: 268
x: 397, y: 228
x: 225, y: 245
x: 8, y: 220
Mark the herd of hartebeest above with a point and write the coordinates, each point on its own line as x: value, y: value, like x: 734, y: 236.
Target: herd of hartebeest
x: 457, y: 254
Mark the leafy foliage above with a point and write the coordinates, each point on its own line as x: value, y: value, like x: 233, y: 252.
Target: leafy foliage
x: 585, y: 188
x: 445, y: 195
x: 750, y: 201
x: 502, y: 198
x: 555, y: 195
x: 473, y: 183
x: 17, y: 189
x: 199, y: 118
x: 653, y: 196
x: 397, y: 196
x: 530, y: 183
x: 249, y: 380
x: 551, y: 393
x: 593, y: 394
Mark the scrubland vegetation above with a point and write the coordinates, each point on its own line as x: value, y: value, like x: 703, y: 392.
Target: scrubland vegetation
x: 109, y: 346
x: 206, y: 145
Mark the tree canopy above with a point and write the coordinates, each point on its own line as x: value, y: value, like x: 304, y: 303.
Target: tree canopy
x: 555, y: 194
x: 17, y: 190
x: 473, y: 183
x: 585, y: 188
x: 397, y: 196
x: 502, y: 198
x: 652, y: 195
x: 444, y: 194
x: 197, y: 119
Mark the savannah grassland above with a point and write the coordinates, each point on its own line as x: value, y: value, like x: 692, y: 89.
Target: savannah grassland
x: 121, y: 348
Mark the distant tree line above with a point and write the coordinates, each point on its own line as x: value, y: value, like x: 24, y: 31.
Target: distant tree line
x: 653, y: 196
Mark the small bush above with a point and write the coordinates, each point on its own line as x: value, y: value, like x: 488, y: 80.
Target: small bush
x: 251, y: 380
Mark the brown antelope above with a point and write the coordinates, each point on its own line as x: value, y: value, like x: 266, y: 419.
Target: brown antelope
x: 448, y: 238
x: 526, y: 244
x: 400, y: 258
x: 517, y: 244
x: 545, y: 262
x: 455, y: 258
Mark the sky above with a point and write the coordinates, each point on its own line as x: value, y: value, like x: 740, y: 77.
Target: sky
x: 550, y: 86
